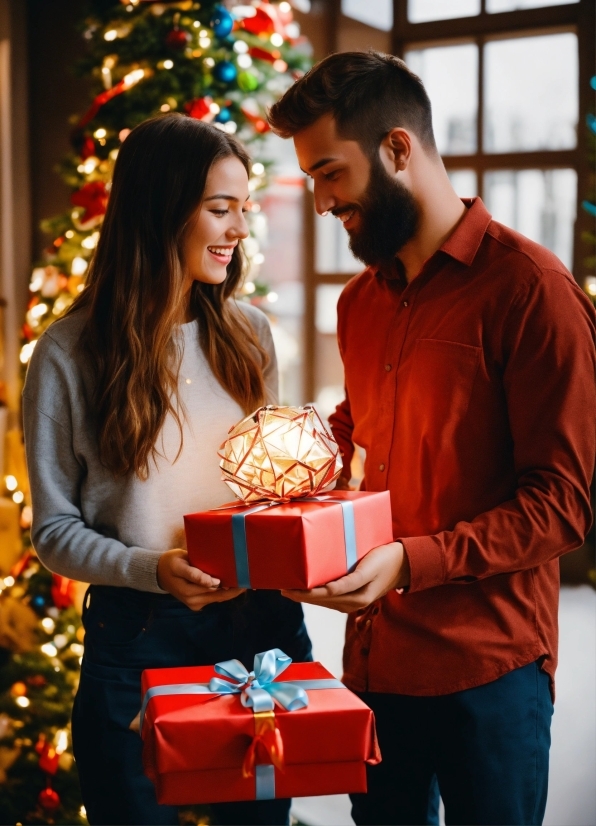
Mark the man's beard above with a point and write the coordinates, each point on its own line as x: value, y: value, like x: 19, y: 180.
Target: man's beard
x: 388, y: 219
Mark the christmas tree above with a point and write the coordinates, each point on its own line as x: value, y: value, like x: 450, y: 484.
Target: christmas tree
x: 218, y: 64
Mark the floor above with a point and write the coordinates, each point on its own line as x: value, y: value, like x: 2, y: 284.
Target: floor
x: 572, y: 783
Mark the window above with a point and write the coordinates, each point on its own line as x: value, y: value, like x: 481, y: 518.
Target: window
x: 505, y: 78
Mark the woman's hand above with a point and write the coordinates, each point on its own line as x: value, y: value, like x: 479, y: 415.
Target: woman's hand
x: 190, y: 585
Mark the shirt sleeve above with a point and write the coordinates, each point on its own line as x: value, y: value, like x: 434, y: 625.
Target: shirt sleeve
x: 63, y: 541
x: 548, y: 380
x: 342, y: 426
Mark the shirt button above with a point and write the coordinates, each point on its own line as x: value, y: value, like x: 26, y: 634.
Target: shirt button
x: 405, y: 303
x: 388, y: 367
x: 367, y: 623
x: 381, y: 467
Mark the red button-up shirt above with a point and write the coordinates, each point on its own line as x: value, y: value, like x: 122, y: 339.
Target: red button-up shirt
x: 471, y: 390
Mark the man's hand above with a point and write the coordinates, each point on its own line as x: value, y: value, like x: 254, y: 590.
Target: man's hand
x: 190, y: 585
x: 382, y: 569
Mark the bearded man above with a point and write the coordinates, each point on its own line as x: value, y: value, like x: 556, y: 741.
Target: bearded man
x: 468, y: 353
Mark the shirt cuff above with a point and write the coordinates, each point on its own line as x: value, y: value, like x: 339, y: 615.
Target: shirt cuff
x: 425, y: 556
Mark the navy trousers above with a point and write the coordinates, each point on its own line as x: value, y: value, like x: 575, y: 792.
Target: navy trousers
x: 127, y: 631
x: 487, y: 747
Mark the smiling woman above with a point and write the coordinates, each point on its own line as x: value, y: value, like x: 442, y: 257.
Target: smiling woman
x: 126, y: 401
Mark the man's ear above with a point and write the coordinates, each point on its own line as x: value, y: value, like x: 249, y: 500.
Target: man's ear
x: 396, y: 150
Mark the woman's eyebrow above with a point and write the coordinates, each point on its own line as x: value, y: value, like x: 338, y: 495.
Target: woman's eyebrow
x: 222, y: 197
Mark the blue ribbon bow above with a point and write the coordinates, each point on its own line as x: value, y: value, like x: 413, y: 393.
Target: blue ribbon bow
x: 257, y: 689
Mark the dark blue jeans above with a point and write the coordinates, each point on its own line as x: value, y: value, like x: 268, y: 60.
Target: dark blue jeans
x: 487, y: 747
x: 128, y: 631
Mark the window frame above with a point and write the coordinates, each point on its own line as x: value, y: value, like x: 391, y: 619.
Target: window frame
x: 579, y: 18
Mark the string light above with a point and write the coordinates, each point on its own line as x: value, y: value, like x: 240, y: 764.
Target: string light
x: 23, y: 702
x: 590, y: 285
x: 258, y: 168
x: 249, y: 287
x: 240, y: 47
x: 27, y: 351
x: 100, y: 133
x: 49, y: 649
x: 209, y: 62
x: 244, y: 61
x: 168, y: 64
x: 18, y: 497
x: 61, y: 741
x: 9, y: 581
x: 48, y: 624
x: 111, y: 34
x: 78, y: 266
x: 272, y: 297
x: 11, y: 482
x: 285, y: 8
x: 276, y: 39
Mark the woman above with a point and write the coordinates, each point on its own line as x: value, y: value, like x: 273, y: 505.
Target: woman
x: 126, y: 400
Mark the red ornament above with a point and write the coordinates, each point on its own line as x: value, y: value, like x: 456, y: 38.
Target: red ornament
x: 177, y: 39
x: 87, y: 148
x: 63, y: 591
x: 260, y: 124
x: 263, y: 22
x: 36, y: 681
x: 199, y: 108
x: 93, y: 198
x: 48, y: 759
x: 263, y: 54
x: 49, y: 799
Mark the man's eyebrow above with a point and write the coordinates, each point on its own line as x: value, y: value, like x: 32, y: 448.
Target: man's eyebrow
x: 318, y: 165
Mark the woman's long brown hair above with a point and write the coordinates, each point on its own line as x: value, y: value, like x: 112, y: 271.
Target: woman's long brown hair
x: 132, y: 299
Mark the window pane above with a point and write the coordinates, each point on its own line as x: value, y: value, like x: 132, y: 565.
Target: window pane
x: 464, y: 182
x: 332, y: 253
x: 531, y: 95
x: 513, y: 5
x: 329, y: 374
x: 450, y: 74
x: 539, y: 203
x: 375, y: 13
x: 421, y: 10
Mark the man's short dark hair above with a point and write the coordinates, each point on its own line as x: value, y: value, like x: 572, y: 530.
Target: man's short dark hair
x: 367, y: 93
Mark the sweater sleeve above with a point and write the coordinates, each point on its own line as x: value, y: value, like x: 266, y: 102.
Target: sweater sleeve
x: 548, y: 382
x: 63, y: 541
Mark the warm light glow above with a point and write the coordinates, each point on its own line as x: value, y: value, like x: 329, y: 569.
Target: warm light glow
x: 90, y: 164
x: 255, y: 208
x: 11, y: 482
x: 69, y: 234
x: 240, y: 47
x: 60, y: 640
x: 285, y: 8
x: 165, y: 107
x: 23, y: 702
x: 100, y: 133
x: 9, y: 581
x: 138, y: 74
x: 257, y: 168
x: 272, y: 297
x: 61, y: 741
x: 258, y: 259
x: 209, y: 62
x: 83, y: 811
x: 27, y: 351
x: 90, y: 242
x: 77, y: 649
x: 122, y: 136
x: 244, y: 61
x: 276, y: 39
x: 18, y: 497
x: 249, y: 287
x: 280, y: 65
x: 168, y: 64
x: 111, y: 34
x: 49, y: 649
x: 204, y: 43
x: 590, y: 285
x: 37, y: 279
x: 203, y: 33
x: 48, y: 624
x: 214, y: 108
x: 230, y: 127
x: 38, y: 310
x: 78, y: 266
x: 196, y: 23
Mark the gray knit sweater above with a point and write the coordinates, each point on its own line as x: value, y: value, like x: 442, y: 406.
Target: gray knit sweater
x: 88, y: 525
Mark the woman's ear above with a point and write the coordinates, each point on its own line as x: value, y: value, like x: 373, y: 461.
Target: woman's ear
x: 396, y: 150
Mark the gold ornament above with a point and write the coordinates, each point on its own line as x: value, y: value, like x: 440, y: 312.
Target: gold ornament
x: 279, y: 453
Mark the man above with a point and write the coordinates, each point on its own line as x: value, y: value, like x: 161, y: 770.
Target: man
x: 469, y: 371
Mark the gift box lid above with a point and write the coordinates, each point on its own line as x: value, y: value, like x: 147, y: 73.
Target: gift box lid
x: 188, y: 732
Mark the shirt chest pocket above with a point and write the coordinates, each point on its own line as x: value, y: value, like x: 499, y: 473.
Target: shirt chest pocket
x: 439, y: 385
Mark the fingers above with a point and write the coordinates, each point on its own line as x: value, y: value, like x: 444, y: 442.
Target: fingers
x: 198, y: 601
x: 182, y: 569
x: 344, y: 603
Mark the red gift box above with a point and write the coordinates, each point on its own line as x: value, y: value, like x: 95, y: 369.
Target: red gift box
x: 300, y: 544
x: 197, y: 746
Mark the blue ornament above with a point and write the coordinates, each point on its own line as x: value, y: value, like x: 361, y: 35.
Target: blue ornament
x: 222, y: 22
x: 223, y: 116
x: 225, y: 71
x: 38, y: 602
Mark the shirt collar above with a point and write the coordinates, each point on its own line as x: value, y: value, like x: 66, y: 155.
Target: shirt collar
x: 462, y: 244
